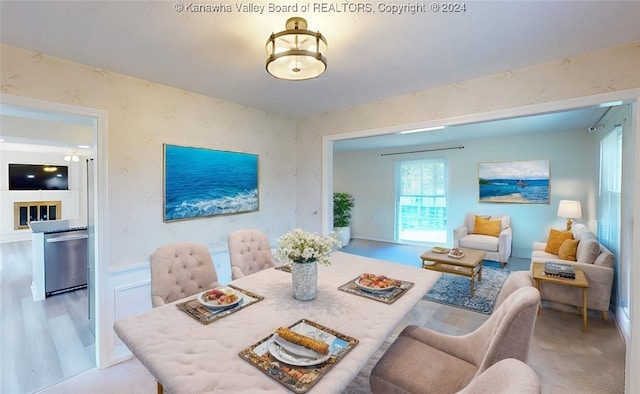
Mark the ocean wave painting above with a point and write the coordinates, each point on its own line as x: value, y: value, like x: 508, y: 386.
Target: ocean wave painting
x: 201, y: 182
x: 522, y: 182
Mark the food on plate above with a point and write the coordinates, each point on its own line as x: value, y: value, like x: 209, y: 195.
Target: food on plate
x: 299, y: 339
x: 220, y: 297
x: 376, y: 281
x: 457, y: 253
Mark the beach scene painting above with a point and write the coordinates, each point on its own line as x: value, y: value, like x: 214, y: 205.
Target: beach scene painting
x: 201, y: 182
x: 519, y: 182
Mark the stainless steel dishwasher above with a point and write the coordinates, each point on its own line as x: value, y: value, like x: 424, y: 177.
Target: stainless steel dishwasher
x: 65, y: 261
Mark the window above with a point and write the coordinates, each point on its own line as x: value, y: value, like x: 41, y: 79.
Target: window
x: 609, y: 220
x: 421, y: 201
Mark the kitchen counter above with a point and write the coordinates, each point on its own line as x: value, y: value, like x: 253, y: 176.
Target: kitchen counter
x: 55, y: 226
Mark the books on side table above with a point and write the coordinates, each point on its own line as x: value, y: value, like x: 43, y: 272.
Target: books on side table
x: 559, y: 269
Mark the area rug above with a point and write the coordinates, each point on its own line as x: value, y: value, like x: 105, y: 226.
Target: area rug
x: 455, y: 290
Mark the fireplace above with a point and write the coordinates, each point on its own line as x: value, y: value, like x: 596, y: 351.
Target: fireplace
x: 25, y: 212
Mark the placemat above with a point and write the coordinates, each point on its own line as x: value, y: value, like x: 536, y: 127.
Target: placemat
x: 204, y: 315
x: 284, y: 267
x: 388, y: 297
x: 299, y: 379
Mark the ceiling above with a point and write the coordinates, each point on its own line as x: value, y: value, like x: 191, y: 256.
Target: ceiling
x: 372, y: 55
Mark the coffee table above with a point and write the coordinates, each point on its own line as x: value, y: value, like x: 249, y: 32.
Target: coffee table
x: 469, y: 265
x: 579, y: 281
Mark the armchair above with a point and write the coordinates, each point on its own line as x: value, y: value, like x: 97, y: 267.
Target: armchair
x: 483, y: 233
x: 421, y: 360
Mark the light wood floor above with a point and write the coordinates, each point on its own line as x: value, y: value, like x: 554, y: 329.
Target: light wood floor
x: 43, y: 342
x: 566, y: 359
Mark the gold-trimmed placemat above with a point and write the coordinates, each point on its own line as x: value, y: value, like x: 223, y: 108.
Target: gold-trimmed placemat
x: 204, y: 315
x: 295, y: 378
x: 388, y: 297
x: 284, y: 267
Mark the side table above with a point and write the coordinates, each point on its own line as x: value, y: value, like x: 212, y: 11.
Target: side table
x: 579, y: 281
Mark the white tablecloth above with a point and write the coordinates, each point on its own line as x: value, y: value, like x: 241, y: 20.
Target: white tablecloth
x: 186, y: 356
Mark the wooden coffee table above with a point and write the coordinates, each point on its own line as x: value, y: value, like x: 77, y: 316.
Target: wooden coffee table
x: 470, y: 265
x: 579, y: 281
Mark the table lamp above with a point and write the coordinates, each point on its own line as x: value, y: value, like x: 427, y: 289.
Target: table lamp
x: 571, y: 210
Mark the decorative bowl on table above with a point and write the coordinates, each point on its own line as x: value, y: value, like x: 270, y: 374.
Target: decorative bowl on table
x: 373, y: 282
x: 220, y: 298
x: 440, y: 250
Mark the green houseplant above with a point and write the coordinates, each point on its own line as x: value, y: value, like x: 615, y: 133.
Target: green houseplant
x: 342, y: 205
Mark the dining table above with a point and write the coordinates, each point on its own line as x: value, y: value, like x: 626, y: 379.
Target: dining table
x: 186, y: 356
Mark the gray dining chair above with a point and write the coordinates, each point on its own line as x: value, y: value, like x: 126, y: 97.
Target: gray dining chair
x: 250, y: 252
x: 179, y: 270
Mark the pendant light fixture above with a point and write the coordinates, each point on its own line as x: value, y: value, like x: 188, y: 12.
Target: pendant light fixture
x: 296, y: 53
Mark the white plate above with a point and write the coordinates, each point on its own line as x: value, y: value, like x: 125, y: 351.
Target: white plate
x: 290, y: 355
x: 215, y: 305
x: 374, y: 289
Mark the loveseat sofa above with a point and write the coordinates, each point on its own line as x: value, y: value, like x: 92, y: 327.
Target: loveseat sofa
x: 593, y: 258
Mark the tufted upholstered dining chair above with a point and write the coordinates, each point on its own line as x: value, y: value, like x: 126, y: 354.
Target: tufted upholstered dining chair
x: 507, y: 376
x: 179, y: 270
x: 425, y: 361
x: 250, y: 252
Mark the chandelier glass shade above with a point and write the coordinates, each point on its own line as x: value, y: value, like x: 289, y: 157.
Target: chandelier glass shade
x: 296, y: 53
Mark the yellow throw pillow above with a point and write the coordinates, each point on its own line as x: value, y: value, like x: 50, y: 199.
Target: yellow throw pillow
x: 487, y: 227
x: 556, y: 238
x: 568, y: 249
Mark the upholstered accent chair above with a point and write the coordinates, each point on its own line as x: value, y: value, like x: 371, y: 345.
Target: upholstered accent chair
x: 425, y: 361
x: 179, y: 270
x: 491, y: 234
x: 507, y: 376
x: 515, y: 280
x: 250, y: 252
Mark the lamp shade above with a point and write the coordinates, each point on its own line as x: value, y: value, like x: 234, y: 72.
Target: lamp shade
x: 296, y: 53
x: 569, y: 209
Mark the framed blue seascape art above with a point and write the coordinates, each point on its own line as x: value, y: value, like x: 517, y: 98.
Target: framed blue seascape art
x: 517, y: 182
x: 200, y: 182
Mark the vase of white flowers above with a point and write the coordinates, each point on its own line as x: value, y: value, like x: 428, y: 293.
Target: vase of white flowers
x: 305, y: 250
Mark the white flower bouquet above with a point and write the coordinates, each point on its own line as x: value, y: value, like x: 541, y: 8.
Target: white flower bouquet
x: 304, y: 247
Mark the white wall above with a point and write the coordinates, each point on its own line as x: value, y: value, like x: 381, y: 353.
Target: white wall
x: 73, y: 207
x: 572, y: 156
x: 142, y: 116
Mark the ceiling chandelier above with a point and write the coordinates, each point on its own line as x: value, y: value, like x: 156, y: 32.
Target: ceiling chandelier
x: 296, y: 53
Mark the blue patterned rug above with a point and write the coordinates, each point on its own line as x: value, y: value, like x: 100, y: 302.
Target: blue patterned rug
x: 455, y: 290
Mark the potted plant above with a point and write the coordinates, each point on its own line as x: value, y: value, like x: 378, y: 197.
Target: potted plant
x: 342, y: 205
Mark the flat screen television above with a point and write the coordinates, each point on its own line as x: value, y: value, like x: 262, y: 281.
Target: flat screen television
x: 38, y: 177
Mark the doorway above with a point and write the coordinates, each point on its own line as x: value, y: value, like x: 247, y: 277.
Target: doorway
x: 89, y: 201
